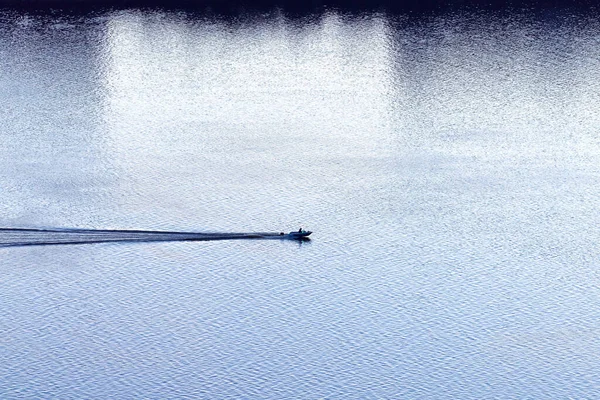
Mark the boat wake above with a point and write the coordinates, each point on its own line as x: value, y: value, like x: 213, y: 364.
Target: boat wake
x: 40, y: 237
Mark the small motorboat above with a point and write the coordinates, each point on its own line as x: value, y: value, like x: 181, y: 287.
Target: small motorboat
x: 299, y: 234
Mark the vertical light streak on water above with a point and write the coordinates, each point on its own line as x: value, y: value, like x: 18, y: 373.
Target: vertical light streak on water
x: 192, y: 95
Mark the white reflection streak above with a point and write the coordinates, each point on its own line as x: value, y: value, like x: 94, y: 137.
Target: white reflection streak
x: 253, y: 74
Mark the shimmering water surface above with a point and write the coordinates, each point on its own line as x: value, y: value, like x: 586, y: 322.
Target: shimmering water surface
x: 449, y: 165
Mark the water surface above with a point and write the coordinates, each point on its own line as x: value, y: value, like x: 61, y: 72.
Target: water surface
x: 447, y: 163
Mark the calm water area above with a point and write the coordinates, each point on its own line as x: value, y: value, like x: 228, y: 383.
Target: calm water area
x: 447, y: 162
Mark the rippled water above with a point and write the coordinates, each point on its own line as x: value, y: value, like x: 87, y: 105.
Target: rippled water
x: 448, y: 164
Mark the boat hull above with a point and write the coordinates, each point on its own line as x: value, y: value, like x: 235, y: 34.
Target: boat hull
x: 299, y: 235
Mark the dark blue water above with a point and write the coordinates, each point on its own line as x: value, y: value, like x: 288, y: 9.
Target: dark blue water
x: 448, y: 164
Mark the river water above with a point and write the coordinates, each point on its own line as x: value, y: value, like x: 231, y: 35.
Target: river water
x: 448, y: 164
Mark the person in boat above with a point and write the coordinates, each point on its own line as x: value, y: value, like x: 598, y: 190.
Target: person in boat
x: 300, y: 230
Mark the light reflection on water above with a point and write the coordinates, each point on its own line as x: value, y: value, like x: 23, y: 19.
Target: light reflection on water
x: 448, y: 166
